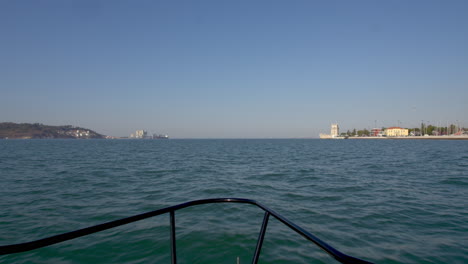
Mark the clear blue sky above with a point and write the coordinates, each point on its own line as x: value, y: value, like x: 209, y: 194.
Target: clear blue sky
x: 233, y: 69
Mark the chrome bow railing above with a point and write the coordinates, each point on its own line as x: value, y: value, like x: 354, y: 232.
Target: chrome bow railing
x: 339, y: 256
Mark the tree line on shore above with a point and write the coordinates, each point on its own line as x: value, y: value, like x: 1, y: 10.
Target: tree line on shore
x: 426, y: 130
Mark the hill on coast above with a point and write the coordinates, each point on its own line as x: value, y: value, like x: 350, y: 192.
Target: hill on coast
x: 10, y: 130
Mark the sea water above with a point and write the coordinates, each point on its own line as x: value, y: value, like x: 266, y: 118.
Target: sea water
x: 385, y: 201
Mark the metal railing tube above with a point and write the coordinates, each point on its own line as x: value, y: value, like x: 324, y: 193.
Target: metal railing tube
x: 173, y: 239
x: 22, y: 247
x: 339, y: 256
x: 261, y: 236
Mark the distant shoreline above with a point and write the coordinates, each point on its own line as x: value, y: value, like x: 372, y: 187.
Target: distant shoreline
x: 418, y: 137
x: 10, y: 130
x: 363, y: 138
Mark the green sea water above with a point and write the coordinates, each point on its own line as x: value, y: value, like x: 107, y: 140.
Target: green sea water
x: 382, y: 201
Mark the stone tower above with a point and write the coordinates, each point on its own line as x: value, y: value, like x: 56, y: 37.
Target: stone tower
x: 335, y: 130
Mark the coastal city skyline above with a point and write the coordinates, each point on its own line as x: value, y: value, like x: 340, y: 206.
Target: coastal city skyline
x: 222, y: 69
x: 425, y: 131
x: 10, y: 130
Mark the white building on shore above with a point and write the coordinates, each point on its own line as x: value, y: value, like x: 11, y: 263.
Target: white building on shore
x: 396, y: 132
x: 334, y: 132
x: 139, y: 134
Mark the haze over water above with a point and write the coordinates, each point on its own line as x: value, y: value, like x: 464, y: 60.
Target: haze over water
x: 382, y: 201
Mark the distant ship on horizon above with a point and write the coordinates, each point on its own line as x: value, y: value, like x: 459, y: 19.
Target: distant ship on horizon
x: 160, y: 136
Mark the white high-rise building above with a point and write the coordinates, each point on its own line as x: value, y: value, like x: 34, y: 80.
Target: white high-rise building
x: 140, y: 134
